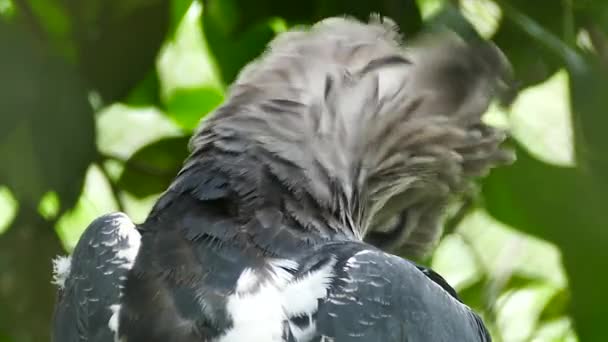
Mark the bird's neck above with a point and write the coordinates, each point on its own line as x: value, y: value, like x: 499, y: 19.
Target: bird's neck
x: 245, y: 204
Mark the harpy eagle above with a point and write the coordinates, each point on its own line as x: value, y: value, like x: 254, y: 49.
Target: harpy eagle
x: 335, y: 147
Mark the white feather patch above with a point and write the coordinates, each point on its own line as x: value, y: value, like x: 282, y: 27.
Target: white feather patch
x: 61, y: 270
x: 247, y: 281
x: 127, y: 230
x: 261, y: 307
x: 256, y: 316
x: 301, y: 296
x: 113, y: 322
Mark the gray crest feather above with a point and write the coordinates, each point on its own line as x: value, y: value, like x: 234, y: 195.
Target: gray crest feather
x: 358, y: 128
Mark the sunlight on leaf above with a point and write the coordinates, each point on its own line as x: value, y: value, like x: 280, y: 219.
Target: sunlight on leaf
x: 114, y: 168
x: 485, y: 256
x: 7, y: 9
x: 278, y: 25
x: 185, y: 66
x: 49, y: 205
x: 428, y: 8
x: 178, y: 10
x: 485, y: 15
x: 496, y: 116
x: 454, y: 261
x: 507, y: 255
x: 540, y: 120
x: 138, y: 208
x: 122, y: 130
x: 185, y: 61
x: 520, y: 311
x: 499, y: 245
x: 96, y: 200
x: 559, y: 330
x: 8, y: 208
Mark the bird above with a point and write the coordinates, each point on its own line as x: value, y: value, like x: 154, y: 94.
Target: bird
x: 339, y: 145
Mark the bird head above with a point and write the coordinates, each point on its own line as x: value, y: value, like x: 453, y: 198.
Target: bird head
x: 348, y: 130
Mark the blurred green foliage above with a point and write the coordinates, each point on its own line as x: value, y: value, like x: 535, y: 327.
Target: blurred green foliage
x: 98, y: 99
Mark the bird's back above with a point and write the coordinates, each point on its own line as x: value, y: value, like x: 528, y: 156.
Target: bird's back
x: 192, y: 284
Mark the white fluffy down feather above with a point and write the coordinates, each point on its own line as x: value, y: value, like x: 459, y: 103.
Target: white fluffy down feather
x: 61, y: 270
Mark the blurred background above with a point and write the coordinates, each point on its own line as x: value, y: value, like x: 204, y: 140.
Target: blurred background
x: 99, y: 97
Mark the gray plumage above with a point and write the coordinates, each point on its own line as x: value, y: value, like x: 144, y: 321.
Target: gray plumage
x: 351, y: 120
x: 336, y: 136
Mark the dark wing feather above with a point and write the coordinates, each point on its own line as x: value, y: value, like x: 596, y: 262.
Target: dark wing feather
x: 91, y: 287
x: 381, y: 297
x: 439, y: 280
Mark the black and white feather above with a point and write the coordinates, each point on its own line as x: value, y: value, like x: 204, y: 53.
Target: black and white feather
x: 335, y: 146
x: 90, y: 281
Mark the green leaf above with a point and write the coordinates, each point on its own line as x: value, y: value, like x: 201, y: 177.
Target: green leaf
x: 566, y: 206
x: 8, y: 208
x: 589, y: 103
x: 190, y: 83
x: 455, y: 261
x: 151, y: 169
x: 50, y: 19
x: 485, y: 15
x: 146, y: 93
x: 556, y: 307
x: 532, y: 61
x: 540, y: 119
x: 449, y: 17
x: 49, y: 205
x: 5, y: 338
x: 188, y: 105
x: 519, y: 280
x: 533, y: 196
x: 244, y: 26
x: 501, y: 250
x: 233, y: 49
x: 117, y: 41
x: 557, y: 330
x: 7, y: 9
x: 404, y: 12
x: 96, y: 199
x: 241, y: 15
x: 518, y: 310
x: 179, y: 8
x: 50, y: 139
x: 474, y: 294
x: 122, y: 130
